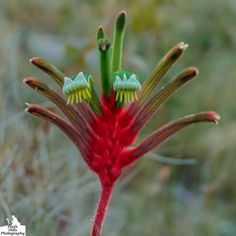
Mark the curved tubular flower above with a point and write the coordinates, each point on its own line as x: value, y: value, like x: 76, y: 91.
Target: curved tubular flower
x: 103, y: 129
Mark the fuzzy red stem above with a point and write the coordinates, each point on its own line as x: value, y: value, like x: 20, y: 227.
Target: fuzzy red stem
x: 102, y: 209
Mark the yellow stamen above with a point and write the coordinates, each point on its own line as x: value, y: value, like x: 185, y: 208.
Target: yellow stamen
x: 121, y: 95
x: 68, y: 100
x: 117, y: 96
x: 72, y: 98
x: 80, y: 97
x: 76, y: 96
x: 88, y: 93
x: 83, y: 93
x: 132, y: 96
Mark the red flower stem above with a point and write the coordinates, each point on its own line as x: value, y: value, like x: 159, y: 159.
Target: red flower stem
x: 102, y: 209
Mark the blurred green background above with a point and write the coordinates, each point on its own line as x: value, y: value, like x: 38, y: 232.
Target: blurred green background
x: 43, y: 180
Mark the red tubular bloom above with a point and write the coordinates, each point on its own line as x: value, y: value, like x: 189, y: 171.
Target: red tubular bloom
x: 103, y: 129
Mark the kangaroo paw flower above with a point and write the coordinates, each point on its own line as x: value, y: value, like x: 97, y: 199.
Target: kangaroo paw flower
x: 101, y: 126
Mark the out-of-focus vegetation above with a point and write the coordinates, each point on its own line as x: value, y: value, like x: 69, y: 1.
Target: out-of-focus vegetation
x: 43, y: 180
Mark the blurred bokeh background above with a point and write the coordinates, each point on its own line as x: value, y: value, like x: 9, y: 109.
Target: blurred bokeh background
x: 185, y: 187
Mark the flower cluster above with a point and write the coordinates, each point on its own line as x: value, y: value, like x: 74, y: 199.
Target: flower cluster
x: 104, y: 127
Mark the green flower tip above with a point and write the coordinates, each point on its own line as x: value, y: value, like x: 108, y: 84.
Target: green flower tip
x: 100, y: 33
x: 126, y: 86
x: 77, y: 88
x: 121, y: 20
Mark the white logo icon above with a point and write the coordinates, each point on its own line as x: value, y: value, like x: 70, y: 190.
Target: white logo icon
x: 13, y: 228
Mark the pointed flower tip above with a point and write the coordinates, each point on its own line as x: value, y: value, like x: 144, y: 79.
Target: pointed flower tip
x: 123, y: 12
x: 32, y: 108
x: 122, y: 15
x: 28, y: 104
x: 183, y: 45
x: 31, y: 82
x: 174, y: 54
x: 25, y: 80
x: 35, y: 84
x: 188, y: 74
x: 194, y: 71
x: 28, y: 107
x: 27, y: 110
x: 28, y: 79
x: 100, y: 33
x: 213, y: 117
x: 35, y: 60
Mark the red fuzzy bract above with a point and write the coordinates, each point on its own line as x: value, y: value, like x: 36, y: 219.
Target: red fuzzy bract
x: 110, y: 139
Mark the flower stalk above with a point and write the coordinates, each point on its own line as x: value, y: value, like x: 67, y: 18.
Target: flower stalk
x: 102, y: 208
x: 104, y: 127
